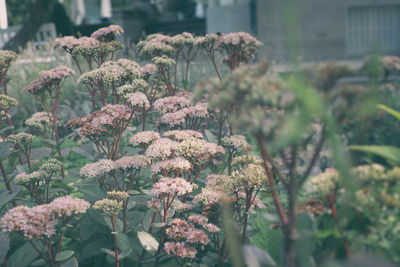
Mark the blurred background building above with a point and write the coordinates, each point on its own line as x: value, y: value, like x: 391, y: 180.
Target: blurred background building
x: 338, y: 30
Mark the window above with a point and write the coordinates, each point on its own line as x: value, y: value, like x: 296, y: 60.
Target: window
x: 373, y: 29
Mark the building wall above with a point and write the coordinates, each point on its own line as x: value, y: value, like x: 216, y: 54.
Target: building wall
x: 230, y: 18
x: 321, y: 26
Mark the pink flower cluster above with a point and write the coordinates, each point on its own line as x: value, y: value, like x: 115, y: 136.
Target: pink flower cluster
x: 180, y: 250
x: 57, y: 73
x: 148, y: 69
x: 138, y: 100
x: 145, y: 137
x: 107, y: 33
x: 238, y: 38
x: 161, y: 148
x: 184, y: 233
x: 132, y: 162
x: 41, y: 220
x: 48, y: 79
x: 100, y: 122
x: 173, y: 186
x: 183, y: 134
x: 69, y: 43
x: 177, y: 108
x: 105, y: 166
x: 171, y: 103
x: 177, y: 165
x: 97, y: 169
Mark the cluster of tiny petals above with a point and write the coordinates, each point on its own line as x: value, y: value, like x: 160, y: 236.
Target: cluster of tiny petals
x: 68, y: 206
x: 145, y: 137
x: 324, y: 182
x: 178, y: 163
x: 132, y: 162
x: 198, y: 219
x: 57, y: 73
x: 148, y: 69
x: 6, y: 102
x: 234, y: 141
x: 39, y: 119
x: 122, y: 70
x: 180, y: 250
x: 41, y: 220
x: 181, y: 230
x: 138, y: 100
x: 252, y: 174
x: 161, y: 148
x: 117, y: 195
x: 178, y: 186
x: 199, y: 149
x: 181, y: 135
x: 6, y: 57
x: 107, y: 33
x: 171, y: 103
x: 21, y: 138
x: 96, y: 169
x: 110, y: 207
x: 99, y: 122
x: 23, y: 178
x: 238, y: 38
x: 48, y: 78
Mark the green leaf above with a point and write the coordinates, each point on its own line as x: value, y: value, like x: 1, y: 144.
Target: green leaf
x: 108, y: 252
x: 6, y: 197
x: 392, y: 112
x: 39, y: 262
x: 39, y: 153
x: 24, y: 255
x: 147, y: 219
x: 64, y: 255
x: 73, y: 262
x: 254, y: 256
x: 390, y: 153
x: 4, y: 245
x: 125, y: 253
x: 148, y: 242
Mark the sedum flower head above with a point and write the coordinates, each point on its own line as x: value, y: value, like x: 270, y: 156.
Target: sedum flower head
x: 180, y: 135
x: 163, y: 61
x: 26, y: 179
x: 6, y: 57
x: 138, y: 100
x: 51, y: 166
x: 21, y: 138
x: 136, y: 85
x: 6, y: 102
x: 324, y: 182
x: 161, y: 148
x: 118, y: 195
x: 41, y: 220
x: 99, y: 168
x: 252, y: 174
x: 39, y: 120
x: 145, y: 137
x: 107, y: 34
x: 178, y: 186
x: 132, y: 162
x: 110, y: 207
x: 176, y: 164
